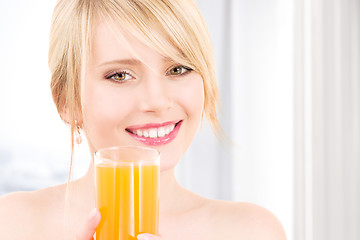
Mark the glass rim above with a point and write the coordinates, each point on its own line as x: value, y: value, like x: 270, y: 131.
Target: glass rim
x: 97, y: 154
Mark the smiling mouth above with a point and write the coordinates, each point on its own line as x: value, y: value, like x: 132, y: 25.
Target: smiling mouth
x: 155, y: 134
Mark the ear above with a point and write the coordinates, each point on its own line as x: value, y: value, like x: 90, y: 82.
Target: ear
x: 65, y: 115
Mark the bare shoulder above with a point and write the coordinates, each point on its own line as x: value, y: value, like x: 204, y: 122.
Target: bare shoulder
x: 18, y: 215
x: 24, y: 214
x: 246, y: 220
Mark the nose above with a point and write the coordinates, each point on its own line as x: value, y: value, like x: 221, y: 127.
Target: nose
x: 155, y: 95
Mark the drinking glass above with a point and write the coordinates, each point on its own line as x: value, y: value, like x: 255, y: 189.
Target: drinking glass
x: 127, y: 183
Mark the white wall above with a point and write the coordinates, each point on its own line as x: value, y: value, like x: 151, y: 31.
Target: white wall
x: 34, y: 143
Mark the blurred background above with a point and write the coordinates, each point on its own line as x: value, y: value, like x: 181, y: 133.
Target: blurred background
x: 289, y: 78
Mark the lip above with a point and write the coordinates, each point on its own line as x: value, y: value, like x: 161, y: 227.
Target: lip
x: 155, y: 141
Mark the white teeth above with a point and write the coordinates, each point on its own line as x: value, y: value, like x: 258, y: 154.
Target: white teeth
x: 161, y: 132
x: 153, y: 133
x: 146, y: 133
x: 139, y: 133
x: 167, y: 131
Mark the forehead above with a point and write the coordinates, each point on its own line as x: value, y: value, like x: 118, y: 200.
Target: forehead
x: 110, y: 41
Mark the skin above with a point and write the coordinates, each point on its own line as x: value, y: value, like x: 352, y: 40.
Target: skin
x: 150, y: 95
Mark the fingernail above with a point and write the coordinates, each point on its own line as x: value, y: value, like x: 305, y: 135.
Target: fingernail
x: 143, y: 237
x: 92, y: 214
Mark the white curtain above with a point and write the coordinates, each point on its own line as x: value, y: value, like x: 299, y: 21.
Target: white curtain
x: 327, y: 119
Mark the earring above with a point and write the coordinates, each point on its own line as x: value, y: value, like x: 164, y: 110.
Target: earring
x: 78, y: 138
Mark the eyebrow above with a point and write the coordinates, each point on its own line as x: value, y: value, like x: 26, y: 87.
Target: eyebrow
x: 130, y: 61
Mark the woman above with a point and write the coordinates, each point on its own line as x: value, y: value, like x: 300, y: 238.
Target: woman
x: 131, y: 72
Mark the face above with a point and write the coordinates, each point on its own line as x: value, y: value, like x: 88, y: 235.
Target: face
x: 132, y: 95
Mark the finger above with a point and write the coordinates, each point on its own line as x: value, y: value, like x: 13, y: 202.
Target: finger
x: 147, y: 236
x: 87, y: 231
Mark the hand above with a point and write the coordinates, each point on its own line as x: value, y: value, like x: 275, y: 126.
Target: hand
x: 147, y: 236
x: 87, y: 231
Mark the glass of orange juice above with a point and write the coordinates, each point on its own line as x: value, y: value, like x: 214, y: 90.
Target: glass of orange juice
x: 127, y: 181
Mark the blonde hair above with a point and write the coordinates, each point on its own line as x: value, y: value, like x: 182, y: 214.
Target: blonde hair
x: 175, y: 28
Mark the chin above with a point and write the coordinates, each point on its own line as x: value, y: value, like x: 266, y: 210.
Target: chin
x: 167, y: 163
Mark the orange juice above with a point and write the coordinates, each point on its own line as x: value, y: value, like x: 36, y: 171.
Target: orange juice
x: 128, y: 200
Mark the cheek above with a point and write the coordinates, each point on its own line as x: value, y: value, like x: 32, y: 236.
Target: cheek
x: 100, y: 104
x: 192, y: 97
x: 104, y: 107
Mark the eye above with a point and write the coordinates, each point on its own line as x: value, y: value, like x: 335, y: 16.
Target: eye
x: 179, y: 70
x: 119, y: 76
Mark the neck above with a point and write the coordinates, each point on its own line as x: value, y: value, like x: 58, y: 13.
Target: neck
x: 169, y: 191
